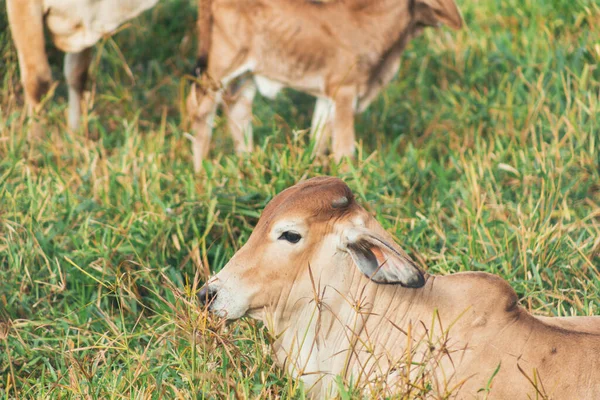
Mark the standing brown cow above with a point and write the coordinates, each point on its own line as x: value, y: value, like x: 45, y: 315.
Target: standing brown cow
x: 341, y: 51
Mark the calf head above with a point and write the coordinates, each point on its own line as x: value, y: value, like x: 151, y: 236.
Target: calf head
x: 313, y: 233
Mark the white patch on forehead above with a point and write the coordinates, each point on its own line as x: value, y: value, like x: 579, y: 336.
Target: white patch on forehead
x: 359, y: 220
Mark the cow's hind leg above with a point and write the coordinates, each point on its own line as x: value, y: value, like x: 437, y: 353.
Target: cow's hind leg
x: 26, y: 22
x: 224, y: 65
x: 239, y: 114
x: 202, y: 106
x: 76, y: 73
x: 343, y: 123
x: 320, y: 129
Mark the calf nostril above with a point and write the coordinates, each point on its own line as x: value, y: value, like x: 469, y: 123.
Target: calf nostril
x: 207, y: 295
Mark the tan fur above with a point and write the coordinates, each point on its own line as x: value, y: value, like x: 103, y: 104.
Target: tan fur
x: 329, y: 319
x: 204, y: 27
x: 342, y: 50
x: 75, y: 26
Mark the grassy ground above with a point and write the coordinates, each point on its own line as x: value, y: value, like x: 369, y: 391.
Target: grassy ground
x: 482, y: 155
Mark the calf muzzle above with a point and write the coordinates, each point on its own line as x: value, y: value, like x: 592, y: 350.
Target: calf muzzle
x: 207, y: 295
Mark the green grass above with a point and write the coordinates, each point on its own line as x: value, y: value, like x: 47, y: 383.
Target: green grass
x: 483, y: 155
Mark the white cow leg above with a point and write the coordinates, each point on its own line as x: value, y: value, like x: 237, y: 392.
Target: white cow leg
x: 320, y: 129
x: 343, y: 135
x: 76, y: 73
x: 239, y: 116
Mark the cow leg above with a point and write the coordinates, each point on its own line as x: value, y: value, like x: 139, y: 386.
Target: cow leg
x: 343, y: 123
x: 76, y: 73
x: 239, y: 115
x: 26, y: 22
x: 224, y: 65
x: 320, y: 128
x: 202, y: 107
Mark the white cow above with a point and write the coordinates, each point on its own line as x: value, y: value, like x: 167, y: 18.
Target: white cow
x: 75, y: 26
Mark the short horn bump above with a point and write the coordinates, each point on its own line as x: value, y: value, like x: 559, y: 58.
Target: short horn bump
x: 340, y: 202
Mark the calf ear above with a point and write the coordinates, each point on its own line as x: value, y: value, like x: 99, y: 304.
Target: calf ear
x: 435, y: 12
x: 380, y: 262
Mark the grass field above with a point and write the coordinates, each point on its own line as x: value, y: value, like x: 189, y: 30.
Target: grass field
x: 484, y: 154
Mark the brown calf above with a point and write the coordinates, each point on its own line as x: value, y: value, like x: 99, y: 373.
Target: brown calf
x: 343, y: 299
x: 341, y: 51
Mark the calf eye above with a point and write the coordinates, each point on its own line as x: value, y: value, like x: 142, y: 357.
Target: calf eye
x: 292, y: 237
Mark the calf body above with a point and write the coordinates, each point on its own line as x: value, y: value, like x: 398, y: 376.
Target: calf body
x: 341, y: 51
x: 75, y: 26
x: 343, y: 299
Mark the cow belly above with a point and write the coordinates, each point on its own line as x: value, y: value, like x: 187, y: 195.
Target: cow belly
x: 78, y: 24
x: 267, y: 87
x: 270, y: 87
